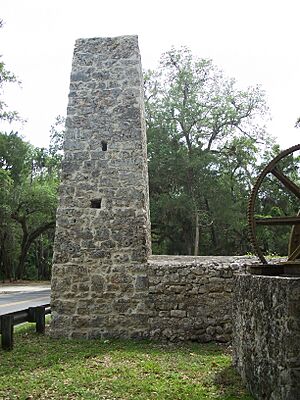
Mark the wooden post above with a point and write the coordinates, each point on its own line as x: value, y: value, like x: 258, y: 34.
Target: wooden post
x: 40, y: 319
x: 7, y: 327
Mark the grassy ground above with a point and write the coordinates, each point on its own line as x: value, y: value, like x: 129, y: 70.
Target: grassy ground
x: 43, y: 368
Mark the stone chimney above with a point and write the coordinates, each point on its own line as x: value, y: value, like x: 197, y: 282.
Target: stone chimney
x: 102, y: 243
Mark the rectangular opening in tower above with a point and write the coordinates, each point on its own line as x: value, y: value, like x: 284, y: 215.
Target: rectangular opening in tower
x: 96, y: 203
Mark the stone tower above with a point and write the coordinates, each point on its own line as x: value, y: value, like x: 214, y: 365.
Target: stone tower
x: 99, y: 283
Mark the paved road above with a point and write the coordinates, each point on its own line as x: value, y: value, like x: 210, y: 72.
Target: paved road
x: 16, y: 301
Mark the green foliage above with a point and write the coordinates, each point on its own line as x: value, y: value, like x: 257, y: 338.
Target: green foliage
x: 44, y: 368
x: 6, y: 77
x: 27, y: 205
x: 203, y: 140
x: 7, y: 242
x: 15, y: 156
x: 56, y: 145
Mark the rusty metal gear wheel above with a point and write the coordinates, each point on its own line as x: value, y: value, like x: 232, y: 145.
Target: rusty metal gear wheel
x: 273, y: 169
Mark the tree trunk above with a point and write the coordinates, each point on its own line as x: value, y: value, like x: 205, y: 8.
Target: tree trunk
x: 24, y: 249
x: 27, y: 241
x: 5, y: 259
x: 189, y: 249
x: 212, y: 228
x: 38, y: 258
x: 197, y: 235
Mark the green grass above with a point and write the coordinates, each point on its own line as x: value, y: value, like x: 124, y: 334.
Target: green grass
x: 43, y: 368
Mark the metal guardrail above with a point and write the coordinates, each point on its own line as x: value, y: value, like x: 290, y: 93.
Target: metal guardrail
x: 31, y: 314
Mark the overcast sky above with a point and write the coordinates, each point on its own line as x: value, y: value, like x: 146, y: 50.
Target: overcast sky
x: 254, y: 41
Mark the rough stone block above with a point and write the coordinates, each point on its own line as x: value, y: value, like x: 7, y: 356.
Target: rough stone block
x: 266, y: 337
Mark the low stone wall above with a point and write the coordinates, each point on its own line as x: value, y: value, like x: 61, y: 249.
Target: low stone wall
x: 190, y: 298
x: 267, y: 335
x: 171, y: 298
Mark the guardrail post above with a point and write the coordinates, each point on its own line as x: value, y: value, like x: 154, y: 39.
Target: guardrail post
x: 31, y: 314
x: 40, y: 319
x: 7, y: 327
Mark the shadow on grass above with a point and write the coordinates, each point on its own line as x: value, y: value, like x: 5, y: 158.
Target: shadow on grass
x: 229, y: 384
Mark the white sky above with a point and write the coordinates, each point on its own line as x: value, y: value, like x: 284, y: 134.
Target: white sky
x: 254, y: 41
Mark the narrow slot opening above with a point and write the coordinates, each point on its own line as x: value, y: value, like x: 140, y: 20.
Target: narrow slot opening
x: 96, y: 203
x: 104, y: 145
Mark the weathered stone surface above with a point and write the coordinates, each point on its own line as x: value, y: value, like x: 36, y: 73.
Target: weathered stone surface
x: 267, y: 335
x: 190, y: 298
x: 103, y: 231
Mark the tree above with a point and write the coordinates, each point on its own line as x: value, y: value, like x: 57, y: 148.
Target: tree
x: 35, y: 212
x: 14, y: 168
x: 15, y: 155
x: 6, y: 237
x: 27, y: 204
x: 6, y: 77
x: 57, y: 132
x: 200, y: 126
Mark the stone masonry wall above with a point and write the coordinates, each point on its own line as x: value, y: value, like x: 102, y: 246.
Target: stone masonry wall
x: 267, y: 335
x: 103, y: 229
x: 190, y: 298
x: 176, y: 298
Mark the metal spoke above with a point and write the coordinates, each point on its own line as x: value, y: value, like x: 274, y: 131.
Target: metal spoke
x: 295, y: 220
x: 290, y: 185
x: 295, y: 254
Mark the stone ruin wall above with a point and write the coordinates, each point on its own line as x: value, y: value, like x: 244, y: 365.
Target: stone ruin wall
x: 191, y: 298
x: 102, y: 234
x: 103, y: 283
x: 266, y: 335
